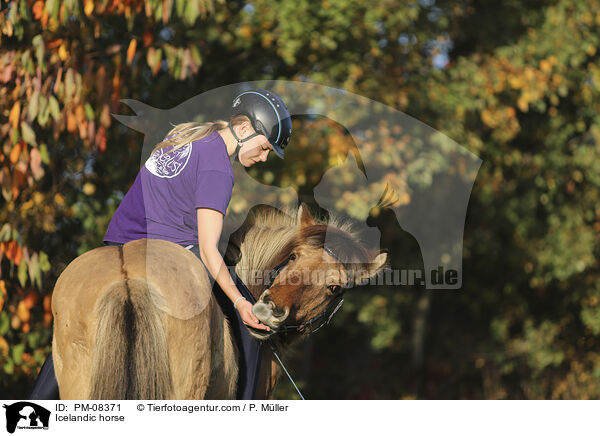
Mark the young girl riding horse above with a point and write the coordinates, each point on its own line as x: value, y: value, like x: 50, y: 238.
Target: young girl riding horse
x: 181, y: 195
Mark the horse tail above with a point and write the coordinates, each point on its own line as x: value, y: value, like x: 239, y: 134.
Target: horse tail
x: 130, y: 358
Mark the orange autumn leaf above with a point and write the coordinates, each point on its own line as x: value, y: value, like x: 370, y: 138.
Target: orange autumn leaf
x: 26, y: 328
x: 15, y: 153
x: 19, y: 180
x: 38, y: 8
x: 510, y: 112
x: 246, y: 32
x: 131, y: 51
x: 63, y: 54
x: 105, y: 116
x: 47, y: 303
x: 31, y: 299
x: 80, y: 114
x: 11, y: 250
x: 71, y: 122
x: 89, y: 7
x: 147, y: 37
x: 18, y: 255
x: 101, y: 139
x: 44, y: 19
x: 54, y: 43
x: 47, y: 319
x: 22, y: 312
x: 2, y: 293
x: 4, y: 347
x: 13, y: 117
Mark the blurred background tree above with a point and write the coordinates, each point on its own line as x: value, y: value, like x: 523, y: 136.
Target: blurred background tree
x: 516, y: 83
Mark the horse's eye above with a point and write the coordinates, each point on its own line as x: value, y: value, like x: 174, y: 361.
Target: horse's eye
x: 293, y: 256
x: 334, y: 288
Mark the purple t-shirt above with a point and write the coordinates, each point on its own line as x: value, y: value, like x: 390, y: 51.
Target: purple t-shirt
x: 162, y: 202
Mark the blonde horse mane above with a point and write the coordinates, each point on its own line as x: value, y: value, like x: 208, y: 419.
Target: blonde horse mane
x: 268, y: 231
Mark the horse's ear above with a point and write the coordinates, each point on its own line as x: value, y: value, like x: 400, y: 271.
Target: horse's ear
x: 373, y: 267
x: 304, y: 219
x: 378, y: 263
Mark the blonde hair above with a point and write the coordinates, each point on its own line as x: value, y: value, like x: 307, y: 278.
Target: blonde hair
x: 184, y: 133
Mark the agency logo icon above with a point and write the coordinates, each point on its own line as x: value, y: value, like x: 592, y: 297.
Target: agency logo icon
x: 26, y: 416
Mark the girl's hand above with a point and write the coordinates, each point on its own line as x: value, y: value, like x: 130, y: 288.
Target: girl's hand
x: 244, y: 307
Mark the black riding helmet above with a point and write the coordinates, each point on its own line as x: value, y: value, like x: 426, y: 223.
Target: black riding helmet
x: 268, y: 115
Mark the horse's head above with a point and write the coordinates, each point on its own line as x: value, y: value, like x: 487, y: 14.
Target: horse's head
x: 310, y: 275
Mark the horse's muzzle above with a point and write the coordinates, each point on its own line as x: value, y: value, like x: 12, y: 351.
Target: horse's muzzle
x: 267, y: 312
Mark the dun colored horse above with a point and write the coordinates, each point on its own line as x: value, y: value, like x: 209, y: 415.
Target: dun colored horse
x: 140, y: 321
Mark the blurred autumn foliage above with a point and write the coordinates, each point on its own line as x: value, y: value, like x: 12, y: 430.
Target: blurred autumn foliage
x: 515, y: 82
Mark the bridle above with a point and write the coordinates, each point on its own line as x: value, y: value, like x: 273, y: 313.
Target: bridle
x: 324, y: 317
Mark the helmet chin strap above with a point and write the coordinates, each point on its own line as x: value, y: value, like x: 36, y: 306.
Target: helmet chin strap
x: 239, y: 141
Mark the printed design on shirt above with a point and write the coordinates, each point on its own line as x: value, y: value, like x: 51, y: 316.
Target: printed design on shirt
x: 163, y: 164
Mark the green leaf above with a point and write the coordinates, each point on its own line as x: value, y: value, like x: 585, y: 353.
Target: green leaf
x: 13, y: 15
x: 191, y: 12
x: 38, y: 44
x: 33, y: 340
x: 69, y: 84
x: 34, y: 269
x: 89, y: 112
x: 28, y: 133
x: 54, y: 107
x: 4, y: 323
x: 44, y: 262
x: 24, y: 11
x: 22, y: 273
x: 17, y: 353
x: 196, y: 56
x: 25, y: 57
x: 44, y: 154
x: 5, y: 232
x: 15, y: 136
x: 78, y: 84
x: 180, y: 7
x: 44, y: 111
x: 32, y: 109
x: 9, y: 367
x: 53, y: 8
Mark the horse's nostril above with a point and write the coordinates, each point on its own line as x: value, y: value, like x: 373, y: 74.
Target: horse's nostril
x: 278, y: 312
